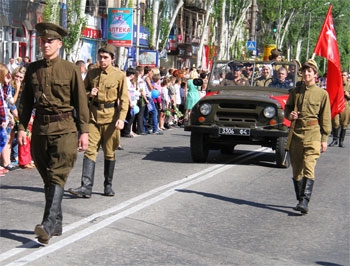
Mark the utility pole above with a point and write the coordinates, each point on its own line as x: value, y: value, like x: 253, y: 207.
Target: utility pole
x: 253, y: 21
x: 137, y: 33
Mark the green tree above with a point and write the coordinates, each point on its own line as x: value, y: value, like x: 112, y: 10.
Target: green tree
x: 75, y: 19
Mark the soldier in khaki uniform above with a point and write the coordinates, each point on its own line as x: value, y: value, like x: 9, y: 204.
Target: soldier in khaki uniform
x: 265, y: 77
x: 341, y: 121
x: 308, y: 108
x: 53, y: 87
x: 235, y: 77
x: 107, y: 90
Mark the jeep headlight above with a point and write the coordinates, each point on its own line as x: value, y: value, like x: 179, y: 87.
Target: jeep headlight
x: 205, y: 108
x: 269, y: 112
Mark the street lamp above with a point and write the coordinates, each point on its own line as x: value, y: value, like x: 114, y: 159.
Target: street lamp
x: 308, y: 33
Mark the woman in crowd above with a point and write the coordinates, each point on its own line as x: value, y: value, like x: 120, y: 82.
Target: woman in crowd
x: 11, y: 114
x: 192, y: 95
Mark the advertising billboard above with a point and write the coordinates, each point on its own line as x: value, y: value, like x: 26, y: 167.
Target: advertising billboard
x: 120, y: 27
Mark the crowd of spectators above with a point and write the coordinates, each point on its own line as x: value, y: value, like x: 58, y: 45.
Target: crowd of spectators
x: 159, y: 99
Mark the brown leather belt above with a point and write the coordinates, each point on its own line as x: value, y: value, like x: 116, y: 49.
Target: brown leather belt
x: 308, y: 123
x: 53, y: 118
x: 104, y: 105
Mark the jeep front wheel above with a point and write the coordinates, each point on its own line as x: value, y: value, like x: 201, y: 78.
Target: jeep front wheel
x: 282, y: 159
x: 199, y: 147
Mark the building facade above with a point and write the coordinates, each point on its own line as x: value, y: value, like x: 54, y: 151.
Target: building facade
x: 19, y: 17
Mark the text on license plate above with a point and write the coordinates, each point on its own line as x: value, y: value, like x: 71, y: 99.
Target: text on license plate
x: 234, y: 131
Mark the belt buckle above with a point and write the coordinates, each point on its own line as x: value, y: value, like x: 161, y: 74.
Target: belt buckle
x: 46, y: 119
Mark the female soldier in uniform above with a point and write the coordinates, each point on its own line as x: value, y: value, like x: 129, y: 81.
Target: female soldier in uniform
x: 309, y: 108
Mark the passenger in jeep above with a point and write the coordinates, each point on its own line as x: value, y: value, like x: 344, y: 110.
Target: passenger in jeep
x: 265, y: 77
x: 281, y: 80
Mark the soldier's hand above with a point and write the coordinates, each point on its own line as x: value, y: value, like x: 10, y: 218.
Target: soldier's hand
x: 119, y: 125
x: 22, y: 137
x: 83, y: 142
x: 94, y: 92
x: 324, y: 146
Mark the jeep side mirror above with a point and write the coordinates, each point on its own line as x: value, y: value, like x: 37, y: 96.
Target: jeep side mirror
x: 198, y: 82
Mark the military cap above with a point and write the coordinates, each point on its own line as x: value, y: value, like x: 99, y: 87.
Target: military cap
x: 234, y: 66
x: 50, y: 31
x: 109, y: 48
x: 275, y: 53
x: 310, y: 64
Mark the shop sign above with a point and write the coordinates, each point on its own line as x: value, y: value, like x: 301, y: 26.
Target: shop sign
x: 91, y: 33
x: 120, y: 26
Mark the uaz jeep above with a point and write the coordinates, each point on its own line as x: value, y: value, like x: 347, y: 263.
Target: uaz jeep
x: 242, y: 111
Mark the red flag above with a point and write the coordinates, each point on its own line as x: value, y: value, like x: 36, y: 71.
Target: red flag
x: 327, y: 47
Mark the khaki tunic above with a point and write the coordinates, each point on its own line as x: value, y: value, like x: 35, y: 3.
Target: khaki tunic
x: 312, y: 127
x: 54, y: 87
x: 262, y: 81
x: 239, y: 82
x: 110, y: 104
x: 344, y: 116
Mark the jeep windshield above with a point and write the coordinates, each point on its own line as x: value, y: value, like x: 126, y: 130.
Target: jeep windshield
x: 237, y: 74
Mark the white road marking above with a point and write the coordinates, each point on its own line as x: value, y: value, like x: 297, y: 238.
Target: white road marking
x: 176, y: 185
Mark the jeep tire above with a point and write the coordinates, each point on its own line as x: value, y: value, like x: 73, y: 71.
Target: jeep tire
x: 281, y: 153
x: 199, y: 147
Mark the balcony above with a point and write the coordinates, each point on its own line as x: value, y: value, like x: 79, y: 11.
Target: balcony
x: 195, y: 5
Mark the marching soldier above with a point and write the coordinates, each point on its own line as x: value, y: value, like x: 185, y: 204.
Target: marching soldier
x: 308, y: 108
x: 53, y: 87
x: 108, y: 94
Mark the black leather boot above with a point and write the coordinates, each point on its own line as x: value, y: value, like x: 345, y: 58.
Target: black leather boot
x: 342, y: 137
x: 335, y: 134
x: 52, y: 206
x: 297, y: 188
x: 87, y: 180
x: 57, y: 229
x: 307, y: 185
x: 108, y: 173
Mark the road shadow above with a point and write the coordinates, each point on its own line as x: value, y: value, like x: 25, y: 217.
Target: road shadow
x: 14, y: 234
x: 182, y: 154
x: 32, y: 189
x: 277, y: 208
x: 326, y: 263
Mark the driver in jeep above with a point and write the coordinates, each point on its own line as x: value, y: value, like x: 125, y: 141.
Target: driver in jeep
x: 234, y: 77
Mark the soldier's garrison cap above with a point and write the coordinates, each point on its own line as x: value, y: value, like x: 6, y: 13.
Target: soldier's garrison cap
x: 109, y: 48
x: 310, y: 64
x: 50, y: 31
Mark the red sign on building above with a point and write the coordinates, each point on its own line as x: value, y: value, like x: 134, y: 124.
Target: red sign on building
x: 91, y: 33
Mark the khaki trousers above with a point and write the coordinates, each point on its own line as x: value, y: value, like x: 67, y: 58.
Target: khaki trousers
x: 303, y: 156
x: 105, y: 136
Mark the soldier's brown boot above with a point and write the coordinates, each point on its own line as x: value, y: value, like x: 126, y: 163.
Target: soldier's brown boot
x: 108, y: 174
x: 87, y: 180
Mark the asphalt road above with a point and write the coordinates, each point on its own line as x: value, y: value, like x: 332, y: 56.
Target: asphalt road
x: 233, y: 210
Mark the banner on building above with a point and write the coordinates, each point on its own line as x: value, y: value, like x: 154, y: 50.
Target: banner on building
x: 120, y: 27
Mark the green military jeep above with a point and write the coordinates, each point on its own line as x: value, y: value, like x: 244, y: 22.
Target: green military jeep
x: 244, y: 105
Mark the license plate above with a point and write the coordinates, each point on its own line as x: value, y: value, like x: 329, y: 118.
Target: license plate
x: 234, y: 131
